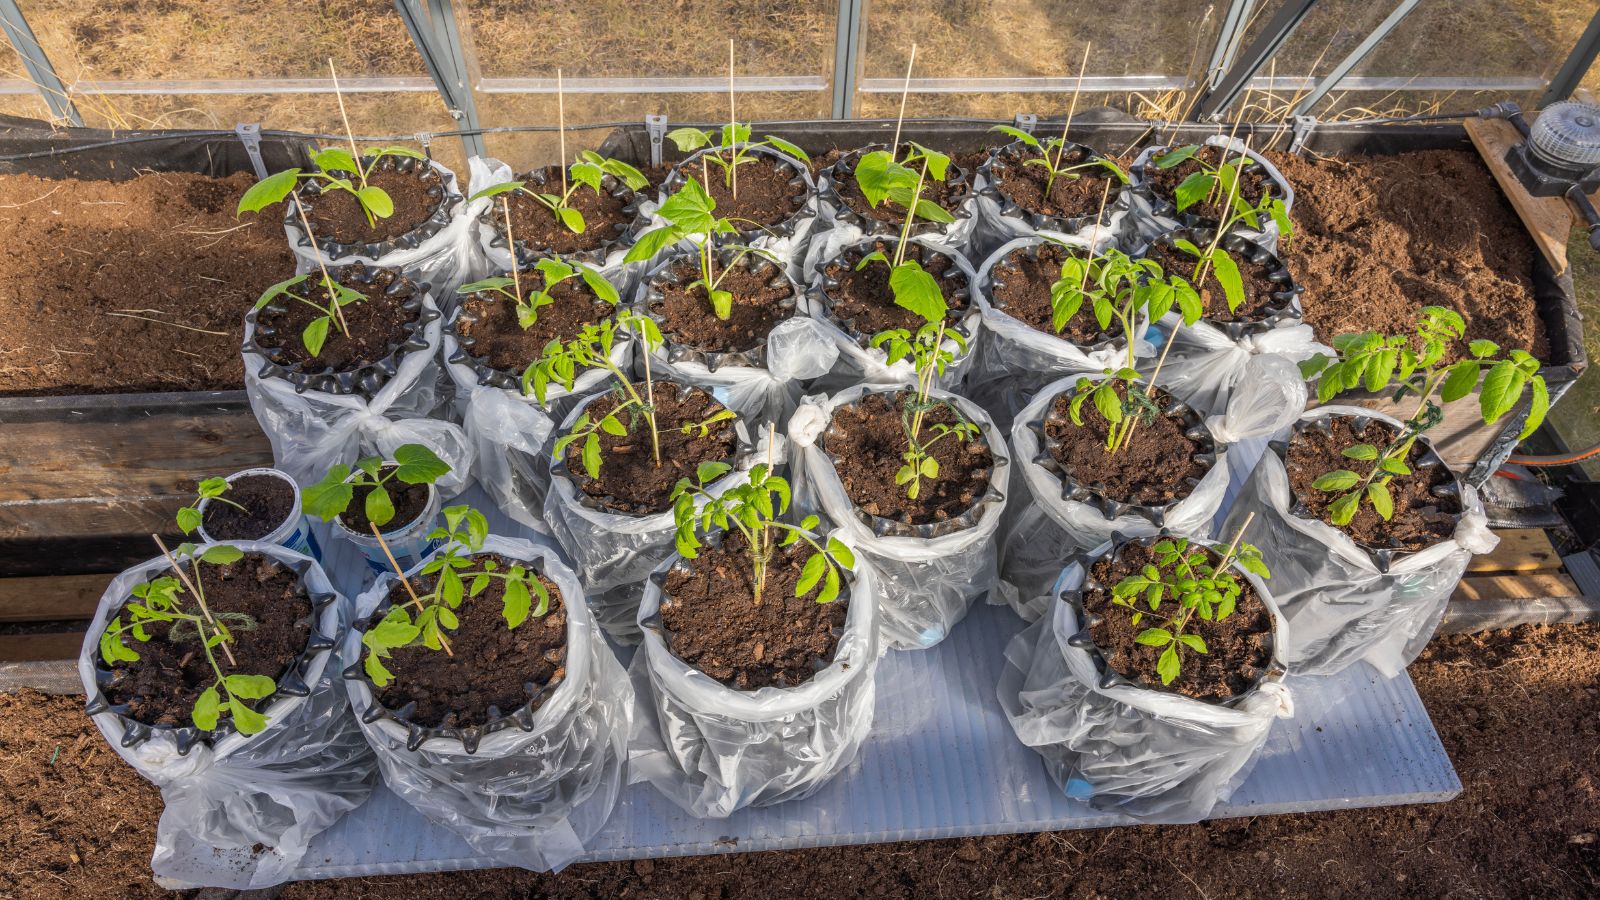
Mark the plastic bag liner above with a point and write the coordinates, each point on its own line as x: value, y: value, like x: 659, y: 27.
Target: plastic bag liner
x: 313, y: 429
x: 714, y: 750
x: 444, y: 251
x: 999, y: 220
x: 1153, y: 755
x: 485, y: 172
x: 225, y: 795
x: 838, y: 215
x: 614, y: 552
x: 1014, y: 360
x: 1152, y: 216
x: 1051, y: 517
x: 1345, y: 603
x: 508, y: 432
x: 761, y: 384
x: 857, y: 360
x: 927, y: 576
x: 535, y: 789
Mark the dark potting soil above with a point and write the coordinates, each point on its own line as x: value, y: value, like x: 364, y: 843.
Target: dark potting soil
x: 266, y: 499
x: 630, y: 479
x: 1377, y: 238
x: 1420, y: 519
x: 161, y: 686
x: 1020, y: 287
x: 338, y: 214
x: 949, y: 196
x: 535, y: 225
x: 376, y: 325
x: 869, y: 437
x: 765, y: 195
x: 102, y: 282
x: 488, y: 664
x: 1079, y: 195
x: 1238, y: 648
x: 1155, y: 470
x: 864, y: 299
x: 1258, y: 287
x: 1164, y: 183
x: 409, y: 501
x: 717, y: 626
x: 686, y: 317
x: 500, y: 340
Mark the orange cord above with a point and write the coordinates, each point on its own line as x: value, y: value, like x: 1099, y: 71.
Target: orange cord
x: 1556, y: 460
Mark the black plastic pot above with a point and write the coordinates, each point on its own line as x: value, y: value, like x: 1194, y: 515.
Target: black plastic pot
x: 823, y: 284
x: 508, y: 379
x: 650, y: 294
x: 843, y: 171
x: 441, y: 185
x: 1003, y: 158
x: 799, y: 176
x: 493, y: 220
x: 1164, y: 208
x: 1285, y: 306
x: 997, y: 274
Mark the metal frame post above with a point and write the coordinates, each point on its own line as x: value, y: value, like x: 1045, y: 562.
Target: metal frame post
x: 438, y: 40
x: 1366, y: 46
x: 847, y: 56
x: 1576, y: 66
x: 1210, y: 104
x: 1228, y: 40
x: 40, y: 71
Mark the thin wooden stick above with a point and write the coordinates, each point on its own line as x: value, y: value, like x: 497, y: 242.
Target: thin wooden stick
x: 733, y: 126
x: 1233, y: 547
x: 905, y: 91
x: 561, y: 132
x: 199, y: 597
x: 1072, y: 107
x: 511, y: 244
x: 333, y: 296
x: 415, y: 600
x: 354, y: 153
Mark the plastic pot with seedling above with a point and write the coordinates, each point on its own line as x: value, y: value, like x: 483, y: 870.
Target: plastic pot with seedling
x: 399, y: 503
x: 337, y: 170
x: 252, y: 505
x: 590, y: 171
x: 553, y: 271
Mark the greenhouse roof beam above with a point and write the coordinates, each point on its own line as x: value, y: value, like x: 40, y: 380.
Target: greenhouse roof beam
x: 438, y: 40
x: 1355, y: 56
x: 1210, y: 104
x: 1577, y: 65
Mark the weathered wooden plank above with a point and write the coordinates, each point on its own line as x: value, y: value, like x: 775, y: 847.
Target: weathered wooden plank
x: 1520, y: 550
x: 1548, y: 219
x: 42, y: 646
x: 1525, y: 586
x: 51, y: 597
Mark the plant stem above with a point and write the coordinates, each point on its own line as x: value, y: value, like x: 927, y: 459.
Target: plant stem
x: 650, y: 398
x: 924, y: 385
x: 911, y: 216
x: 199, y: 596
x: 1061, y: 151
x: 905, y: 90
x: 415, y: 600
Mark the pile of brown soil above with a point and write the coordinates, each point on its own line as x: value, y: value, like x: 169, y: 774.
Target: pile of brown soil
x: 1082, y: 194
x: 501, y: 341
x: 535, y: 225
x: 266, y: 499
x: 765, y: 195
x: 870, y: 439
x: 718, y: 627
x: 1238, y: 648
x: 338, y: 214
x: 1021, y: 289
x: 948, y: 194
x: 1154, y: 470
x: 865, y: 300
x: 1258, y: 286
x: 1379, y: 237
x: 1420, y: 519
x: 687, y: 318
x: 376, y: 325
x: 88, y: 264
x: 161, y: 686
x: 1164, y: 183
x: 409, y: 501
x: 630, y: 479
x: 489, y: 665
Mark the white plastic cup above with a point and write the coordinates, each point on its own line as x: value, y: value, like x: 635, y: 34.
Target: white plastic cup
x: 410, y: 545
x: 294, y: 533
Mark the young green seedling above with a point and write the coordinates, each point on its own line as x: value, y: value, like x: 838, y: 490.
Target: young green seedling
x: 1214, y: 259
x: 552, y: 271
x: 561, y: 363
x: 691, y: 216
x: 330, y: 497
x: 1183, y: 573
x: 588, y: 172
x: 883, y: 178
x: 753, y: 509
x: 1223, y: 178
x: 179, y: 601
x: 1053, y: 158
x: 336, y: 298
x: 337, y: 169
x: 1373, y: 361
x: 210, y: 489
x: 458, y: 576
x: 732, y: 148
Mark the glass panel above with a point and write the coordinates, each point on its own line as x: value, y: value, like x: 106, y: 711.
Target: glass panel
x: 1577, y: 417
x: 30, y: 106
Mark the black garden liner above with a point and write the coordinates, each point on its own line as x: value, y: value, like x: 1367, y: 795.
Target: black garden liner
x: 1285, y: 306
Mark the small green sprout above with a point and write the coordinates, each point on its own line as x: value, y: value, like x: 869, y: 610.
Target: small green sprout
x: 561, y: 363
x: 330, y: 497
x: 691, y: 216
x: 315, y: 335
x: 1211, y: 180
x: 210, y: 489
x: 553, y: 271
x: 1056, y: 166
x: 733, y: 148
x: 589, y: 171
x: 337, y: 169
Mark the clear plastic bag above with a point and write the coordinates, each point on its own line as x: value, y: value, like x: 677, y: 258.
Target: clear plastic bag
x: 449, y: 258
x: 525, y: 798
x: 615, y: 552
x: 1341, y: 605
x: 1153, y: 755
x: 312, y: 431
x: 925, y: 585
x: 714, y: 750
x: 1014, y: 361
x: 278, y: 788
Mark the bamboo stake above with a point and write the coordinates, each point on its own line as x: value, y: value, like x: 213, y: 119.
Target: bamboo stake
x: 415, y: 600
x: 905, y: 91
x: 199, y: 597
x: 561, y: 132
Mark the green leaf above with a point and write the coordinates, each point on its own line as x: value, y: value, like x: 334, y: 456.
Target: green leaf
x: 222, y: 554
x: 1167, y: 666
x: 653, y: 242
x: 1154, y: 637
x: 1502, y: 388
x: 207, y: 709
x: 1361, y: 451
x: 841, y: 554
x: 1173, y: 157
x: 188, y: 519
x: 1537, y: 410
x: 278, y: 290
x: 688, y: 139
x: 1459, y: 383
x: 518, y: 603
x: 249, y: 687
x: 605, y: 290
x: 395, y: 630
x: 1108, y: 403
x: 1338, y: 480
x: 1020, y: 135
x: 336, y: 159
x: 247, y: 720
x: 1227, y: 273
x: 316, y: 334
x: 691, y: 208
x: 378, y: 506
x: 917, y: 291
x: 495, y: 190
x: 1482, y: 349
x: 721, y: 304
x: 810, y: 574
x: 708, y: 472
x: 330, y: 496
x: 375, y: 669
x: 572, y: 219
x: 1342, y: 510
x: 416, y: 464
x: 268, y: 191
x: 376, y: 200
x: 784, y: 146
x: 1194, y: 189
x: 591, y: 455
x: 1378, y: 494
x: 1193, y: 642
x: 933, y: 212
x: 830, y: 586
x: 1394, y: 466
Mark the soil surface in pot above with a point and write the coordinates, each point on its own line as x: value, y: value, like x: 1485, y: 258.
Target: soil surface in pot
x: 869, y: 439
x: 534, y: 225
x: 1156, y: 470
x: 1164, y: 183
x: 377, y: 325
x: 1377, y: 238
x: 501, y: 342
x: 767, y: 194
x: 492, y: 665
x: 338, y: 214
x: 947, y: 194
x: 1258, y: 286
x: 1080, y: 195
x: 1420, y: 519
x: 718, y: 627
x: 1021, y: 289
x: 864, y: 299
x: 630, y: 480
x: 686, y: 317
x: 1238, y: 648
x: 98, y: 277
x: 409, y: 501
x: 161, y: 686
x: 266, y: 499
